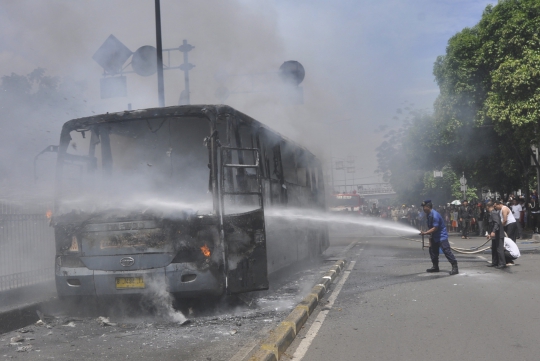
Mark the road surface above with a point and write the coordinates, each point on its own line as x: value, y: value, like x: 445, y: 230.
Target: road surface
x: 390, y: 309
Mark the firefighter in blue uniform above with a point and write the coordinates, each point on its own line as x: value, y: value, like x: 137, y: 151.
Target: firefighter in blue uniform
x: 438, y: 237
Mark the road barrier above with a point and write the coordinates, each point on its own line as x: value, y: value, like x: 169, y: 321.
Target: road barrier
x: 26, y: 244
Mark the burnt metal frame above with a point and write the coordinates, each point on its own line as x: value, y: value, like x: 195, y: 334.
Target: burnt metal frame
x: 223, y: 192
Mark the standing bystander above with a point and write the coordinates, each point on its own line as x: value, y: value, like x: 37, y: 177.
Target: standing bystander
x: 465, y: 217
x: 534, y: 208
x: 507, y: 219
x: 480, y: 217
x: 496, y: 234
x: 516, y: 211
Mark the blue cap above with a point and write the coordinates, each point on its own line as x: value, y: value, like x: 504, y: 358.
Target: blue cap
x: 426, y: 202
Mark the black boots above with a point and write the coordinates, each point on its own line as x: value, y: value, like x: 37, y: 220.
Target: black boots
x: 454, y: 270
x: 435, y: 268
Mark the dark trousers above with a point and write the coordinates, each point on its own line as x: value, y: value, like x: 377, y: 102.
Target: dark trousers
x: 512, y: 231
x: 534, y: 221
x: 465, y: 224
x: 480, y: 228
x: 497, y: 251
x: 508, y: 257
x: 434, y: 252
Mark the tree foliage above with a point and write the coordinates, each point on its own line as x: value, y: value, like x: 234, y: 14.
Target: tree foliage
x: 487, y: 113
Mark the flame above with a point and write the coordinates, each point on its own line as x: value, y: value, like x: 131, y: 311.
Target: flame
x: 49, y: 214
x: 205, y: 250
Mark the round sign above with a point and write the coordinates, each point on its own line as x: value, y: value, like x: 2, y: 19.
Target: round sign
x: 144, y: 61
x: 462, y: 181
x: 292, y: 72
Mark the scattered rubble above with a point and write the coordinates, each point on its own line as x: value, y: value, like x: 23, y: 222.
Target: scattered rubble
x: 24, y: 348
x: 17, y: 338
x: 104, y: 321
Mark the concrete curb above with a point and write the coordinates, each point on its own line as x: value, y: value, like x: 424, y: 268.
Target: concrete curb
x: 284, y: 334
x: 22, y: 316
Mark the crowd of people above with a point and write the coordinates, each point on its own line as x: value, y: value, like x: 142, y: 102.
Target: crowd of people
x: 501, y: 221
x: 468, y: 219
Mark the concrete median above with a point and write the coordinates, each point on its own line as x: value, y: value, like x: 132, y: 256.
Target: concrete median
x: 280, y: 338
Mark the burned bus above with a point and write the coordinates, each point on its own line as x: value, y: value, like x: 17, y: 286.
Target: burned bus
x: 186, y: 197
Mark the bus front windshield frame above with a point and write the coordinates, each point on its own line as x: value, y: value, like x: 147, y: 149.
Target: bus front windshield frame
x: 160, y: 164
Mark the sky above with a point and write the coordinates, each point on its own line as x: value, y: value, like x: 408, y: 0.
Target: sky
x: 364, y: 59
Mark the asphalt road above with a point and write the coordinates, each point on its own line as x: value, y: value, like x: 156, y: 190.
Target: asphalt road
x: 221, y: 330
x: 389, y: 308
x: 384, y: 308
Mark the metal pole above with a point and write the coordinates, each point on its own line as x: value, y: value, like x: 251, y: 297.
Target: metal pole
x: 538, y: 180
x: 185, y: 67
x: 186, y: 72
x: 159, y: 50
x: 332, y: 172
x: 464, y: 188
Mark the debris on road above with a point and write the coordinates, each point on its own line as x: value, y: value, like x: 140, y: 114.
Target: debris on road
x: 104, y: 321
x: 17, y: 338
x: 24, y: 348
x: 70, y: 324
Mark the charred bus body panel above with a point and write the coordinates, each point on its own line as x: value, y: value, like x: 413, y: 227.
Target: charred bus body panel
x: 176, y: 197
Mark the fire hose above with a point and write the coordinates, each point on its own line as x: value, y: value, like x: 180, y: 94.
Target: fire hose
x: 472, y: 250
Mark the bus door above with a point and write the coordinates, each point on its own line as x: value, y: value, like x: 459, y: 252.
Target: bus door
x: 242, y: 210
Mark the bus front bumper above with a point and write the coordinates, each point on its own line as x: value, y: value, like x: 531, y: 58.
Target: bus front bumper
x: 182, y: 279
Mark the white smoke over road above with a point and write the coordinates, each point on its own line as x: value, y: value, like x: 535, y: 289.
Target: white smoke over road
x: 362, y: 60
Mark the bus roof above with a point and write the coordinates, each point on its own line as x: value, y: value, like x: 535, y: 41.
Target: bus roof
x: 198, y: 111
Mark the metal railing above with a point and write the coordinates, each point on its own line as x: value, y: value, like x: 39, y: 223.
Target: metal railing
x: 26, y: 244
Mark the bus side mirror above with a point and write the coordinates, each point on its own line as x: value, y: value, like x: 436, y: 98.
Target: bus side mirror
x: 50, y: 148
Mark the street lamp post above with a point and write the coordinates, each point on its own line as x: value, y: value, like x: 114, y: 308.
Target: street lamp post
x: 463, y: 182
x: 159, y: 50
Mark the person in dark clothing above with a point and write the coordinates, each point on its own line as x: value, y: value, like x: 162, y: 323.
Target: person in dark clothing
x: 480, y: 215
x: 534, y: 208
x: 374, y: 211
x: 465, y: 216
x: 496, y: 233
x: 438, y: 238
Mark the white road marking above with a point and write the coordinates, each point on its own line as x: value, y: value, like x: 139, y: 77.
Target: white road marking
x: 348, y: 248
x: 450, y: 242
x: 482, y: 257
x: 316, y: 325
x: 246, y: 350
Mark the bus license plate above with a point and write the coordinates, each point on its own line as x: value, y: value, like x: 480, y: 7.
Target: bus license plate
x: 129, y: 282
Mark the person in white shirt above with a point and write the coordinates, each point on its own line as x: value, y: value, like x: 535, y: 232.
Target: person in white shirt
x: 516, y: 211
x: 511, y: 251
x: 507, y: 219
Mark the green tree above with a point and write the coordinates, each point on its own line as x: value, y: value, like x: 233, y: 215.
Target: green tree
x: 489, y: 82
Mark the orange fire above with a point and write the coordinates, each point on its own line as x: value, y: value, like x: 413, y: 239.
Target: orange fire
x: 205, y: 250
x: 49, y: 214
